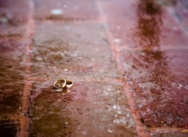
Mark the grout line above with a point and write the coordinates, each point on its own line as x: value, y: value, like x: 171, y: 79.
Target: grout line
x: 139, y: 126
x: 24, y: 121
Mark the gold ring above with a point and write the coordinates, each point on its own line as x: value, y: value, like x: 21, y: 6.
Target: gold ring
x: 61, y: 83
x: 69, y: 84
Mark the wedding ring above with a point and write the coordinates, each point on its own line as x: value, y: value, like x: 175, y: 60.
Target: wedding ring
x: 61, y: 83
x: 69, y: 84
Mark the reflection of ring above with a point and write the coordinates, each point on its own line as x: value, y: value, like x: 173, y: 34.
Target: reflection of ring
x: 61, y: 83
x: 69, y: 84
x: 59, y: 90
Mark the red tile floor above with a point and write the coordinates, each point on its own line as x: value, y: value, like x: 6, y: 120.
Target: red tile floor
x: 128, y: 60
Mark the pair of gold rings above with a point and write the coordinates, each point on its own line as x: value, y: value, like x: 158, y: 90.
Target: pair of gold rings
x: 62, y: 84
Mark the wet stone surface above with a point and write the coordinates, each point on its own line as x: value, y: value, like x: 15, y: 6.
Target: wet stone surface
x: 180, y: 12
x: 11, y: 31
x: 72, y: 41
x: 67, y: 49
x: 13, y: 15
x: 8, y: 128
x: 153, y: 56
x: 150, y: 26
x: 158, y: 82
x: 65, y: 10
x: 90, y: 109
x: 11, y: 76
x: 170, y: 135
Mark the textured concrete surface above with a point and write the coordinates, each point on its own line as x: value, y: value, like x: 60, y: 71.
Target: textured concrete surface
x: 127, y: 60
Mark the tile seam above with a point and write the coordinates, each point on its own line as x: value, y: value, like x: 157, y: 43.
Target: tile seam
x: 24, y: 121
x: 139, y: 126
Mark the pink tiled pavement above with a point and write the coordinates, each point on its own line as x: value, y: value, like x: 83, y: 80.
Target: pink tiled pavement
x: 127, y: 60
x: 71, y: 9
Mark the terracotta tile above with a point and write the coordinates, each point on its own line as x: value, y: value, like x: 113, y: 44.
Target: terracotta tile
x: 14, y: 11
x: 11, y: 75
x: 143, y: 25
x: 158, y: 81
x: 73, y: 49
x: 176, y: 134
x: 13, y: 17
x: 90, y: 108
x: 8, y: 128
x: 66, y: 10
x: 180, y: 12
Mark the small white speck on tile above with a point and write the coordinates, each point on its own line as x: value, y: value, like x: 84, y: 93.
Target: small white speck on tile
x: 116, y: 40
x: 56, y: 11
x: 119, y: 112
x: 114, y: 106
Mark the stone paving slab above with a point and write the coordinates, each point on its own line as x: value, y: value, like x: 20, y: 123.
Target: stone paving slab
x: 77, y: 41
x: 180, y: 12
x: 158, y: 82
x: 143, y: 25
x: 8, y: 128
x: 90, y: 109
x: 66, y: 10
x: 11, y: 31
x: 11, y: 75
x: 16, y: 11
x: 63, y: 49
x: 12, y: 70
x: 152, y: 53
x: 13, y: 16
x: 170, y: 135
